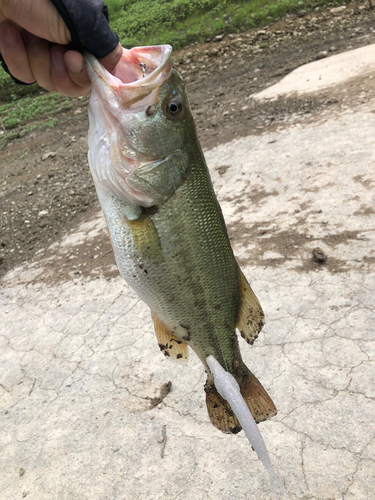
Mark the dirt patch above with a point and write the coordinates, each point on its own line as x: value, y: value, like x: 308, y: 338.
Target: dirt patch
x: 41, y: 200
x: 273, y: 248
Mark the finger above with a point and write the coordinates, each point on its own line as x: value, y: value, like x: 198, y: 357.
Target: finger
x: 76, y: 64
x: 29, y: 15
x: 38, y: 53
x: 60, y: 76
x: 111, y: 60
x: 14, y: 53
x: 76, y: 68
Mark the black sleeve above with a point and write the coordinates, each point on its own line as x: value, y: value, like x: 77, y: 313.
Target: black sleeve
x: 87, y: 21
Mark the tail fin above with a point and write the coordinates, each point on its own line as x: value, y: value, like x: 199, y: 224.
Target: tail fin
x: 255, y: 396
x: 220, y: 413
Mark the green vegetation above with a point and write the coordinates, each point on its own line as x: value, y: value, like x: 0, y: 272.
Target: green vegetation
x: 23, y: 115
x: 9, y: 89
x: 32, y: 108
x: 179, y: 22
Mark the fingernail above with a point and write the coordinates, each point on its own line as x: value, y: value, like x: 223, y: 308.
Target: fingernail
x: 58, y: 60
x: 75, y: 65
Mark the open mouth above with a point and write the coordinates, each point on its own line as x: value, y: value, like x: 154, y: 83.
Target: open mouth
x: 138, y: 67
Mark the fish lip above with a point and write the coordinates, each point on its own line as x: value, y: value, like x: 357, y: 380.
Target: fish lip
x: 158, y: 56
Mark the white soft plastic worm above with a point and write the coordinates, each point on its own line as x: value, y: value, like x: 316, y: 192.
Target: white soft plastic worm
x: 229, y: 389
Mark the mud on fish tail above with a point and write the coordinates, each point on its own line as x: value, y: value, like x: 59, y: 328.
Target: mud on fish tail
x: 255, y: 396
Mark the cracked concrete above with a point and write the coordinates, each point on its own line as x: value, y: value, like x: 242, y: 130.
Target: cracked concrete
x: 80, y: 363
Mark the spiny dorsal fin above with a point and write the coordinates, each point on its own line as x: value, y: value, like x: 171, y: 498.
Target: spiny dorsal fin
x: 220, y: 413
x: 170, y: 345
x: 250, y: 316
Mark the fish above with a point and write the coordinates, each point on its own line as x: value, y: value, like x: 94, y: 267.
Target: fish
x: 166, y: 226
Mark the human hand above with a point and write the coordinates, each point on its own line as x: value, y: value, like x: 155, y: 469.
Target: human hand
x: 33, y: 39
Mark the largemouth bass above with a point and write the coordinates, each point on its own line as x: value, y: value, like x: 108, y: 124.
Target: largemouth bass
x: 166, y: 226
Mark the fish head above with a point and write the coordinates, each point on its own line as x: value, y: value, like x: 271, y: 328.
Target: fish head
x: 139, y: 123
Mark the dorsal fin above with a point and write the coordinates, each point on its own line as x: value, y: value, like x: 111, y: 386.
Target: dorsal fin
x: 170, y: 345
x: 250, y: 316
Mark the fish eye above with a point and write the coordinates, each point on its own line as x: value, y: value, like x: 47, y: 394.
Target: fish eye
x: 173, y: 107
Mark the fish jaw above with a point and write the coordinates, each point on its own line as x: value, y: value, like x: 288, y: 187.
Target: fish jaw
x: 139, y: 71
x: 118, y: 104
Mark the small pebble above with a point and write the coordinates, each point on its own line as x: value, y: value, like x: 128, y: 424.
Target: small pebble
x: 319, y: 256
x: 51, y: 154
x: 21, y: 471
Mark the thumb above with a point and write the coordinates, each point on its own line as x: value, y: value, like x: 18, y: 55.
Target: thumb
x: 111, y: 60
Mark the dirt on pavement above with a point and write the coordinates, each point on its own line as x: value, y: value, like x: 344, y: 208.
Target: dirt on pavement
x: 46, y: 185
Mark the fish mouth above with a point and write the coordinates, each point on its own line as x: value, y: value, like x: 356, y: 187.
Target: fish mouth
x: 139, y: 71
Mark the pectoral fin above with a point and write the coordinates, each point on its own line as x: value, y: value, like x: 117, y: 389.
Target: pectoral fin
x: 170, y: 345
x: 145, y: 236
x: 250, y: 316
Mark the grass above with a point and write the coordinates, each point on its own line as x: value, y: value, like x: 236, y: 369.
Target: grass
x: 180, y: 22
x: 9, y: 89
x: 20, y: 116
x: 31, y: 108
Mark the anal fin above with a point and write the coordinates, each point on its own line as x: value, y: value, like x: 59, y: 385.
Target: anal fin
x: 250, y: 316
x: 220, y: 412
x: 170, y: 345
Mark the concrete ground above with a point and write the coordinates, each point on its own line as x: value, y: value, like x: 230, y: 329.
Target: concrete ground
x: 80, y: 367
